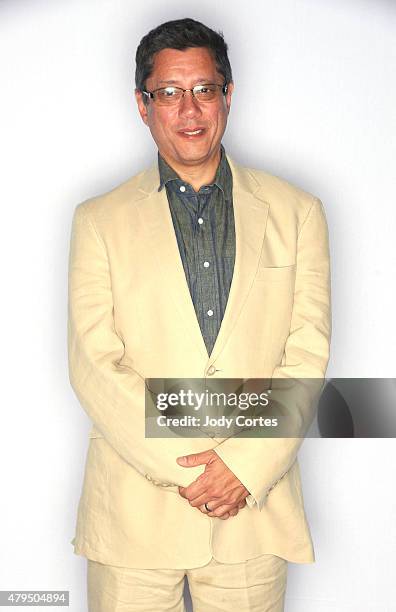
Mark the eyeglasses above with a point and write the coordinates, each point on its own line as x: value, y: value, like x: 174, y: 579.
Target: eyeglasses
x: 168, y: 96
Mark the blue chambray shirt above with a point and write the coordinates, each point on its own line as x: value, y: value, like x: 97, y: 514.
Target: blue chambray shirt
x: 205, y: 232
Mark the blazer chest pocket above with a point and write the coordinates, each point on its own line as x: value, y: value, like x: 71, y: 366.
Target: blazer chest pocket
x: 276, y: 274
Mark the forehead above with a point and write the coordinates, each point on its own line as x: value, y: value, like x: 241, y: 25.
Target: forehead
x: 175, y: 66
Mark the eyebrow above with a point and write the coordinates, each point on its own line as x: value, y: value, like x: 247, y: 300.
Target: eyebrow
x: 199, y: 79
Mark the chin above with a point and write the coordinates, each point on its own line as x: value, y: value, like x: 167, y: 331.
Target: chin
x: 191, y: 159
x: 198, y: 153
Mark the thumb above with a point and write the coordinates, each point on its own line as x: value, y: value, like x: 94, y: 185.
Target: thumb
x: 194, y: 459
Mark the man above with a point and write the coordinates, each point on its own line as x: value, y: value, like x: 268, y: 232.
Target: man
x: 194, y: 268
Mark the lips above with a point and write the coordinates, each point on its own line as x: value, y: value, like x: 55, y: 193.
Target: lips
x: 192, y: 132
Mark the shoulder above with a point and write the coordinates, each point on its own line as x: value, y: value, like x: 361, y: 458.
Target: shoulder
x: 280, y: 187
x: 282, y: 195
x: 120, y: 198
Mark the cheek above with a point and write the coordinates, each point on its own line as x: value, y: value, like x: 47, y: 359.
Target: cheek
x: 219, y: 122
x: 167, y: 124
x: 220, y: 116
x: 160, y: 121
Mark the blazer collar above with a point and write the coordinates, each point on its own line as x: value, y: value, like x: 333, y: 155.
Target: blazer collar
x: 242, y: 180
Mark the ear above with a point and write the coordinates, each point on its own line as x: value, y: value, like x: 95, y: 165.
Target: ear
x: 230, y: 89
x: 141, y: 105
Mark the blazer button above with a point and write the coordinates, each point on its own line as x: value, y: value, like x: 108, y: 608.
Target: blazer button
x: 148, y: 477
x: 211, y: 370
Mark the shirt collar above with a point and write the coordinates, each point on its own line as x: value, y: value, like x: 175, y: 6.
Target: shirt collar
x: 223, y: 178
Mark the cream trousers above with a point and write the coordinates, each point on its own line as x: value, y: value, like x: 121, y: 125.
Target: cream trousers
x: 257, y: 585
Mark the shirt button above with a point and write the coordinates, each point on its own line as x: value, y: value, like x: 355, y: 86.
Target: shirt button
x: 210, y: 313
x: 200, y: 220
x: 211, y: 370
x: 206, y: 264
x: 182, y: 188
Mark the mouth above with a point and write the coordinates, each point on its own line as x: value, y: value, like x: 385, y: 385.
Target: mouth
x: 193, y: 133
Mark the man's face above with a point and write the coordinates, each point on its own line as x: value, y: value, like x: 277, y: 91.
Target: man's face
x: 168, y: 124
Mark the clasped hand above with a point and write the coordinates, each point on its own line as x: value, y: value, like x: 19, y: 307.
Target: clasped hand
x: 217, y: 486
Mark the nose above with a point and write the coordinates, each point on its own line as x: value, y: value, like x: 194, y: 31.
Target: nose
x: 189, y: 107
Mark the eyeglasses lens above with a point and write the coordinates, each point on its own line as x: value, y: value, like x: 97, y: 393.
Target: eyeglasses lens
x: 172, y: 95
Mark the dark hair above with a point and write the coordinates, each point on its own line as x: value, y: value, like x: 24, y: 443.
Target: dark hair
x: 180, y: 34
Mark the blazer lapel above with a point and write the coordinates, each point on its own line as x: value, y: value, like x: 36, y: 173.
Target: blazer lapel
x: 250, y: 214
x: 155, y: 211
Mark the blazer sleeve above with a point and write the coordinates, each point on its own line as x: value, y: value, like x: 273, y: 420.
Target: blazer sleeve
x: 260, y: 463
x: 113, y: 395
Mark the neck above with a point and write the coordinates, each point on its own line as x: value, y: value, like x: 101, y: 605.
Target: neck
x: 199, y: 174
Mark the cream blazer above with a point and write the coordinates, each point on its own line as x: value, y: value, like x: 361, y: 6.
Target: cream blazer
x: 131, y: 317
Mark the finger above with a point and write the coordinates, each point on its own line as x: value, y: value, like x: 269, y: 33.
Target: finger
x: 196, y: 489
x: 221, y: 511
x: 218, y: 512
x: 204, y: 509
x: 194, y: 459
x: 232, y: 498
x: 201, y: 499
x: 214, y: 502
x: 190, y: 493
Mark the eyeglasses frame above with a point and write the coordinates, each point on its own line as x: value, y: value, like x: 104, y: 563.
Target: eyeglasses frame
x: 150, y: 94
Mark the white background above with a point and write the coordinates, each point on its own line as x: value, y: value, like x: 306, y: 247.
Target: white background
x: 314, y: 103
